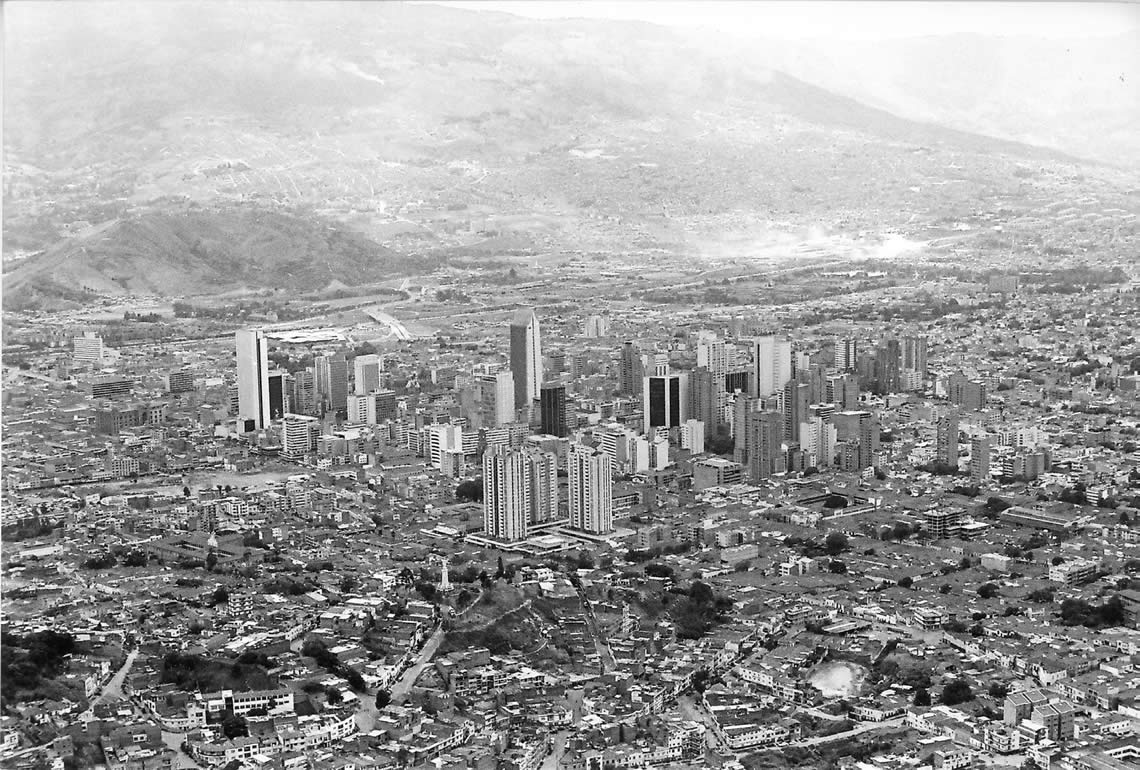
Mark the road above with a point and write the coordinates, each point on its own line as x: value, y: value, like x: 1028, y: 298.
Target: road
x: 687, y: 705
x: 863, y: 728
x: 113, y: 690
x: 409, y: 677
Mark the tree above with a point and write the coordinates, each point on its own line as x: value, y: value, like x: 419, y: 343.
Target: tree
x: 470, y: 491
x: 834, y: 500
x: 922, y: 697
x: 355, y: 680
x: 211, y: 561
x: 837, y: 567
x: 383, y: 698
x: 998, y: 690
x: 988, y: 590
x: 835, y: 543
x: 185, y: 491
x: 945, y: 588
x: 332, y: 694
x: 906, y: 581
x: 957, y: 692
x: 221, y: 595
x: 234, y: 726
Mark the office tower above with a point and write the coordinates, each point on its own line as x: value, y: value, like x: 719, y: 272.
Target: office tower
x: 846, y: 354
x: 914, y: 353
x: 506, y: 494
x: 772, y: 365
x: 596, y: 326
x: 706, y: 397
x: 357, y: 409
x: 366, y: 371
x: 276, y: 394
x: 504, y: 397
x: 181, y: 381
x: 552, y: 407
x: 332, y: 381
x: 843, y: 391
x: 542, y: 477
x: 693, y: 436
x: 742, y: 406
x: 441, y: 438
x: 980, y: 458
x: 664, y: 401
x: 252, y: 379
x: 304, y: 395
x: 818, y: 436
x: 763, y: 440
x: 591, y: 490
x: 630, y: 370
x: 526, y: 357
x: 888, y: 367
x: 299, y: 434
x: 794, y: 405
x: 385, y: 404
x: 966, y: 393
x: 655, y: 363
x: 556, y: 362
x: 858, y: 431
x: 736, y: 381
x: 946, y: 444
x: 87, y: 349
x: 715, y: 355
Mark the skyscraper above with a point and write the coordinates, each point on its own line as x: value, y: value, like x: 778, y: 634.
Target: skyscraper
x: 506, y: 494
x: 664, y: 401
x: 366, y: 372
x: 772, y: 365
x: 914, y: 353
x: 794, y: 400
x: 526, y: 357
x: 946, y: 441
x: 846, y: 353
x: 552, y: 407
x: 980, y: 458
x: 706, y: 397
x: 630, y: 372
x: 277, y: 395
x: 763, y: 434
x: 542, y: 478
x: 591, y: 490
x: 252, y: 379
x: 859, y: 432
x: 332, y: 381
x: 596, y: 326
x: 888, y: 367
x: 504, y: 397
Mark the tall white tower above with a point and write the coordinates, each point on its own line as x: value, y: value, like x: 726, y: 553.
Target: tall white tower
x: 526, y: 357
x: 444, y: 579
x: 591, y: 490
x: 252, y: 378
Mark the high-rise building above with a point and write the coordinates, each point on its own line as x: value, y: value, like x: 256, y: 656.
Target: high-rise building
x: 87, y: 349
x: 818, y: 436
x: 966, y: 393
x: 843, y: 391
x: 366, y: 371
x: 591, y: 490
x: 980, y: 458
x: 596, y: 326
x: 794, y: 402
x: 542, y: 477
x: 693, y: 436
x: 762, y: 446
x: 772, y: 365
x: 332, y: 381
x: 181, y: 381
x: 552, y: 407
x: 888, y: 367
x: 506, y: 494
x: 299, y: 434
x: 664, y: 401
x: 914, y: 353
x: 706, y: 397
x: 304, y: 395
x: 715, y: 355
x: 252, y: 379
x: 858, y: 431
x: 946, y: 441
x: 526, y: 357
x: 846, y: 353
x: 630, y: 370
x: 278, y: 405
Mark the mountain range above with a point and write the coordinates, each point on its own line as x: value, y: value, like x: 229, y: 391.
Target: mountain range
x: 412, y: 130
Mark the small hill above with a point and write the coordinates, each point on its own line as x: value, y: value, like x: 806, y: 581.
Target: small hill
x: 192, y: 250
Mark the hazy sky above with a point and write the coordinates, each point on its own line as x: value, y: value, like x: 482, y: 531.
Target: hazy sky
x: 843, y: 18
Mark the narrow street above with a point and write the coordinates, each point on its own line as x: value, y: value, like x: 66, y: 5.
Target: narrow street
x: 113, y: 690
x: 409, y: 677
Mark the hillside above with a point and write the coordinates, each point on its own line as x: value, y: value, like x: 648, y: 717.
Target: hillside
x: 440, y: 130
x: 191, y: 250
